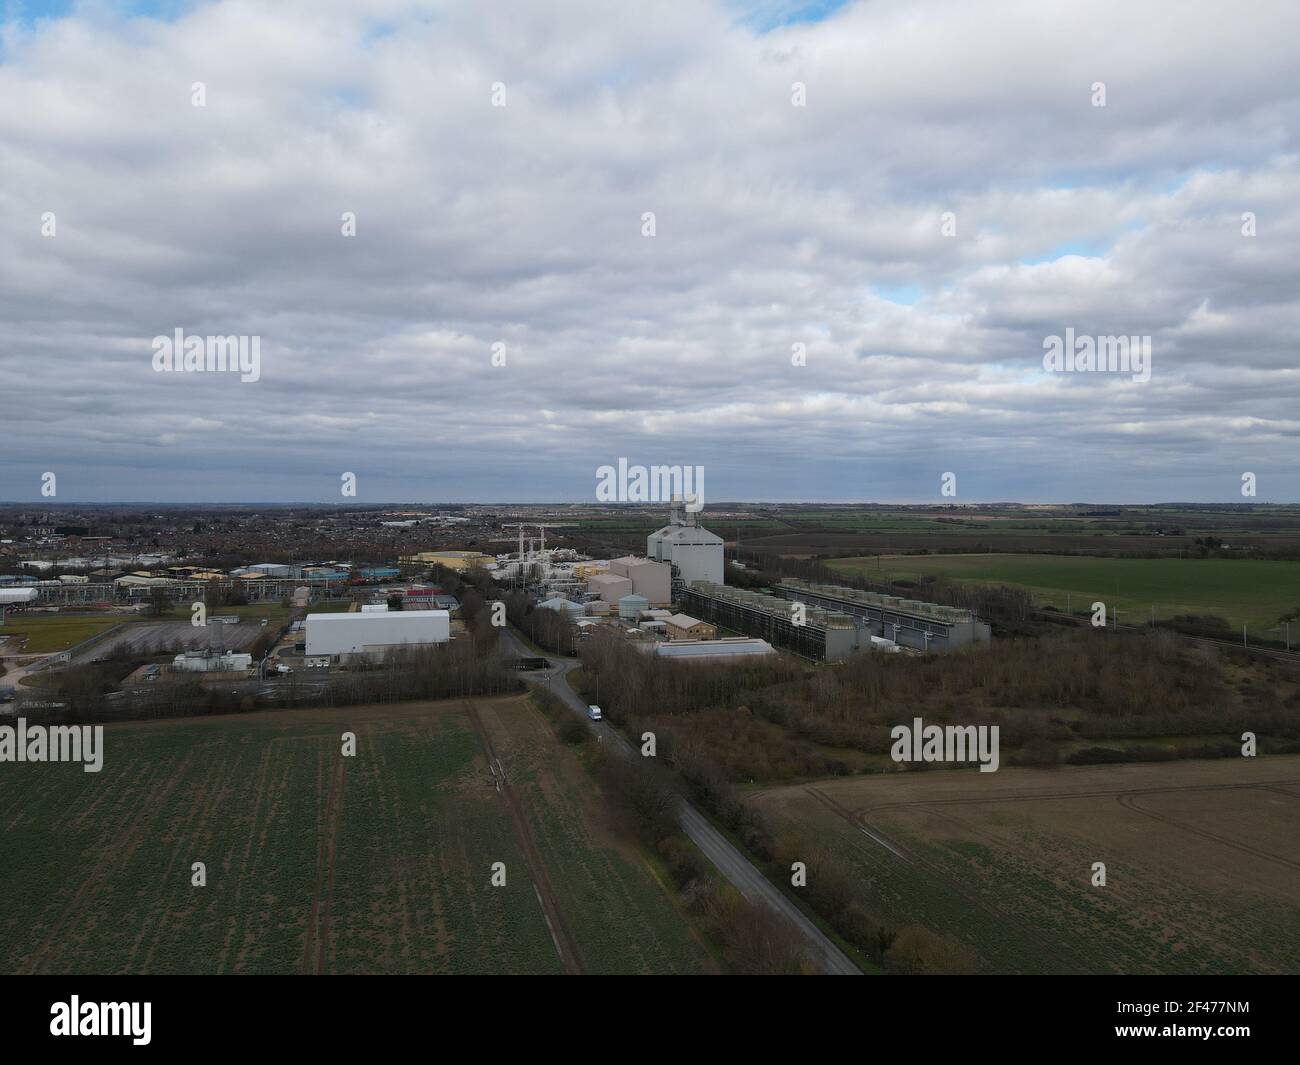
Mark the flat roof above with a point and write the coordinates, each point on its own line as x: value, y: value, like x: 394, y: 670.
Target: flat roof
x: 373, y: 615
x: 712, y: 648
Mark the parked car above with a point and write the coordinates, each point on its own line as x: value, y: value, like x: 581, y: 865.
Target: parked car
x: 593, y: 712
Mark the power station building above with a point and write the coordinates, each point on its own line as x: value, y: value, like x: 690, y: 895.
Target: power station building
x: 611, y: 587
x: 654, y: 580
x: 694, y: 553
x: 907, y: 622
x: 823, y: 635
x: 373, y: 633
x: 834, y: 622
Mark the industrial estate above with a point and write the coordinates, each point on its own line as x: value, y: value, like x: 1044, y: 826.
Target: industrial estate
x: 667, y: 709
x: 375, y: 609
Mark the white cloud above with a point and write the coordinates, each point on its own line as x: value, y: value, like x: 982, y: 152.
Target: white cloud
x: 775, y: 225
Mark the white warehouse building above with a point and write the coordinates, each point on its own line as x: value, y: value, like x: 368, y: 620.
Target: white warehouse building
x: 696, y: 552
x: 375, y: 632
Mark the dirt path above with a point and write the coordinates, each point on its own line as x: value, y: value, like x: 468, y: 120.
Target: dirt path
x: 857, y: 821
x: 565, y: 945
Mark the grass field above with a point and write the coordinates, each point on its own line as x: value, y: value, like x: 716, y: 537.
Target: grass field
x: 1255, y: 593
x: 318, y: 863
x: 1202, y: 861
x: 51, y: 632
x: 48, y: 633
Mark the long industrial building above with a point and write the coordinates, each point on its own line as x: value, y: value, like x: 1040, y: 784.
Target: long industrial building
x: 824, y: 635
x: 374, y: 632
x: 836, y: 621
x: 908, y: 622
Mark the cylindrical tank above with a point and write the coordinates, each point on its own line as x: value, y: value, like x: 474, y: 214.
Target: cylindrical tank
x: 630, y: 606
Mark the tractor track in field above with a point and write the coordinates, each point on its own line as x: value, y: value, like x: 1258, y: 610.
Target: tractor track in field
x: 1026, y: 796
x: 856, y: 821
x: 1128, y: 800
x: 1126, y: 797
x: 940, y: 876
x: 125, y: 845
x: 565, y: 945
x: 316, y: 942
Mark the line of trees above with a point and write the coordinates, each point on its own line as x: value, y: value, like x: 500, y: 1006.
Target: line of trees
x: 1068, y: 685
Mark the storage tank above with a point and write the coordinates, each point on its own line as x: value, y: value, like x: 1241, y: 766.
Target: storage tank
x: 630, y: 606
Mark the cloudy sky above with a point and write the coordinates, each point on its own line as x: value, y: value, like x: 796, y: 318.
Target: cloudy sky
x: 948, y: 195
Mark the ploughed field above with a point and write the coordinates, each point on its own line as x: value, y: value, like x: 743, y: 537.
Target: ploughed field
x: 1202, y: 861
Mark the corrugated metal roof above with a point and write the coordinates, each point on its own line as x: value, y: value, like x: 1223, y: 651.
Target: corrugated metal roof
x: 711, y: 648
x: 683, y: 621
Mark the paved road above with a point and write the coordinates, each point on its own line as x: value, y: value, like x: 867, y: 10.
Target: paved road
x: 712, y: 843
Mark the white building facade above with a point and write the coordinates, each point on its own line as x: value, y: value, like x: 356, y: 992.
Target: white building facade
x: 374, y: 632
x: 696, y: 552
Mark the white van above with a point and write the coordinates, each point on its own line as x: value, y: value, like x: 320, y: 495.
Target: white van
x: 593, y: 712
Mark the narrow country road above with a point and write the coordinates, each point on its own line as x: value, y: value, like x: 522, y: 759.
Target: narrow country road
x: 738, y: 869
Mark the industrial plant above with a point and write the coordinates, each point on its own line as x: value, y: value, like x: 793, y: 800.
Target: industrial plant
x: 694, y: 553
x: 337, y: 614
x: 906, y: 622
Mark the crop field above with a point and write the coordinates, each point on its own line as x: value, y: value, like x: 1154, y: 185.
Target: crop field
x: 379, y: 863
x: 1171, y: 531
x: 1202, y: 861
x: 1243, y: 591
x: 620, y: 918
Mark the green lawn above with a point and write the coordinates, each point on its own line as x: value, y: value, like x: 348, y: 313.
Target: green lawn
x: 1254, y: 593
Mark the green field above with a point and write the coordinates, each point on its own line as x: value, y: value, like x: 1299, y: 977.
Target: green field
x: 1254, y: 593
x: 621, y: 917
x: 52, y: 632
x: 379, y: 863
x: 48, y: 633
